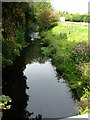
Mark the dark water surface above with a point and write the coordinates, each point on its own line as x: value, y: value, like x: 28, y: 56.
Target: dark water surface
x: 33, y: 85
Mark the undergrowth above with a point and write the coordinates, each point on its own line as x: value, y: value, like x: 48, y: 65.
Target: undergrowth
x: 69, y: 49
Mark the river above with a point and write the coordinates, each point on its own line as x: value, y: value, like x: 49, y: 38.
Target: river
x: 35, y: 88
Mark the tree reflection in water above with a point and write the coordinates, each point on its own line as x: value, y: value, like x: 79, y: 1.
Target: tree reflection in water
x: 14, y: 82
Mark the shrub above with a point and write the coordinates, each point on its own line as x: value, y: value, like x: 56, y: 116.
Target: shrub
x: 10, y: 49
x: 83, y: 18
x: 89, y: 18
x: 80, y: 53
x: 68, y: 17
x: 4, y: 102
x: 76, y: 17
x: 46, y: 51
x: 47, y: 18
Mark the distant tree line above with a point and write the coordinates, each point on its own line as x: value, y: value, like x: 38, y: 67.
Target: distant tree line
x: 74, y: 17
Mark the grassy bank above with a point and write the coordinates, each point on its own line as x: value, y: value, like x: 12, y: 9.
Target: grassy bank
x: 68, y: 47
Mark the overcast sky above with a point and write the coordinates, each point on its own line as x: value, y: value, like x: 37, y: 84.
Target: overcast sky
x: 72, y: 6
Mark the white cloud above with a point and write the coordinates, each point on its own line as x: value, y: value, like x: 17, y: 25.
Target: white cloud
x: 72, y: 6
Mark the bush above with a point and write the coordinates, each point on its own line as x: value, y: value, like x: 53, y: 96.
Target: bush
x: 76, y: 17
x: 68, y: 17
x: 11, y: 47
x: 80, y: 53
x: 83, y: 18
x: 47, y: 18
x: 46, y: 51
x: 89, y: 18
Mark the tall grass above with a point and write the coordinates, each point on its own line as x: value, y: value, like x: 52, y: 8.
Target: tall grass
x: 68, y: 47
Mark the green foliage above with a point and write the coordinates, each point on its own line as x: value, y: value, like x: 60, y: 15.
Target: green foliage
x: 80, y: 52
x: 46, y: 51
x: 85, y: 19
x: 10, y: 49
x: 84, y: 111
x: 47, y: 18
x: 13, y: 23
x: 84, y: 108
x: 60, y: 13
x: 16, y: 18
x: 4, y: 102
x: 88, y: 18
x: 70, y: 56
x: 75, y: 18
x: 46, y: 40
x: 13, y: 13
x: 66, y: 12
x: 39, y: 7
x: 20, y: 36
x: 68, y: 17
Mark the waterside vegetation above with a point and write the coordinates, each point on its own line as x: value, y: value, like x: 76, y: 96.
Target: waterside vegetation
x: 68, y: 47
x: 67, y: 44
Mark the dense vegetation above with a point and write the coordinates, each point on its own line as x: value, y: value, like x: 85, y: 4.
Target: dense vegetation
x: 13, y: 20
x: 17, y: 18
x: 47, y: 18
x: 68, y: 46
x: 74, y: 17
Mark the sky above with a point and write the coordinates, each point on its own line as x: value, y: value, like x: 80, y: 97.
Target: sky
x: 72, y: 6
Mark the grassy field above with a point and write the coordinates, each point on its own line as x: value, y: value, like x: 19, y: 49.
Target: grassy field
x: 68, y: 47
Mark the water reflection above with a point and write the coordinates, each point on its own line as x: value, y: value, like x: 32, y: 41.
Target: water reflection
x: 35, y: 87
x: 47, y: 97
x: 14, y: 81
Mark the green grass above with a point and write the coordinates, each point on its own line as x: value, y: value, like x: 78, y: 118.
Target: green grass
x: 74, y: 32
x: 69, y: 51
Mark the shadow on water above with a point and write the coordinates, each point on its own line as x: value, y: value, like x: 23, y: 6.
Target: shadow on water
x: 14, y: 81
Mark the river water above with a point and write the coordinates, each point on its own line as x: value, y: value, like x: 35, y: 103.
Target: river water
x: 34, y: 87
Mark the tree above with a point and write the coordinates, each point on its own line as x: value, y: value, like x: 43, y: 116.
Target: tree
x: 14, y: 19
x: 76, y: 17
x: 60, y: 13
x: 39, y: 7
x: 66, y: 12
x: 47, y: 18
x: 63, y: 12
x: 68, y: 17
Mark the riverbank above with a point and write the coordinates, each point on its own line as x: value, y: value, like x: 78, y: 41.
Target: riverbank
x: 85, y: 117
x: 68, y: 47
